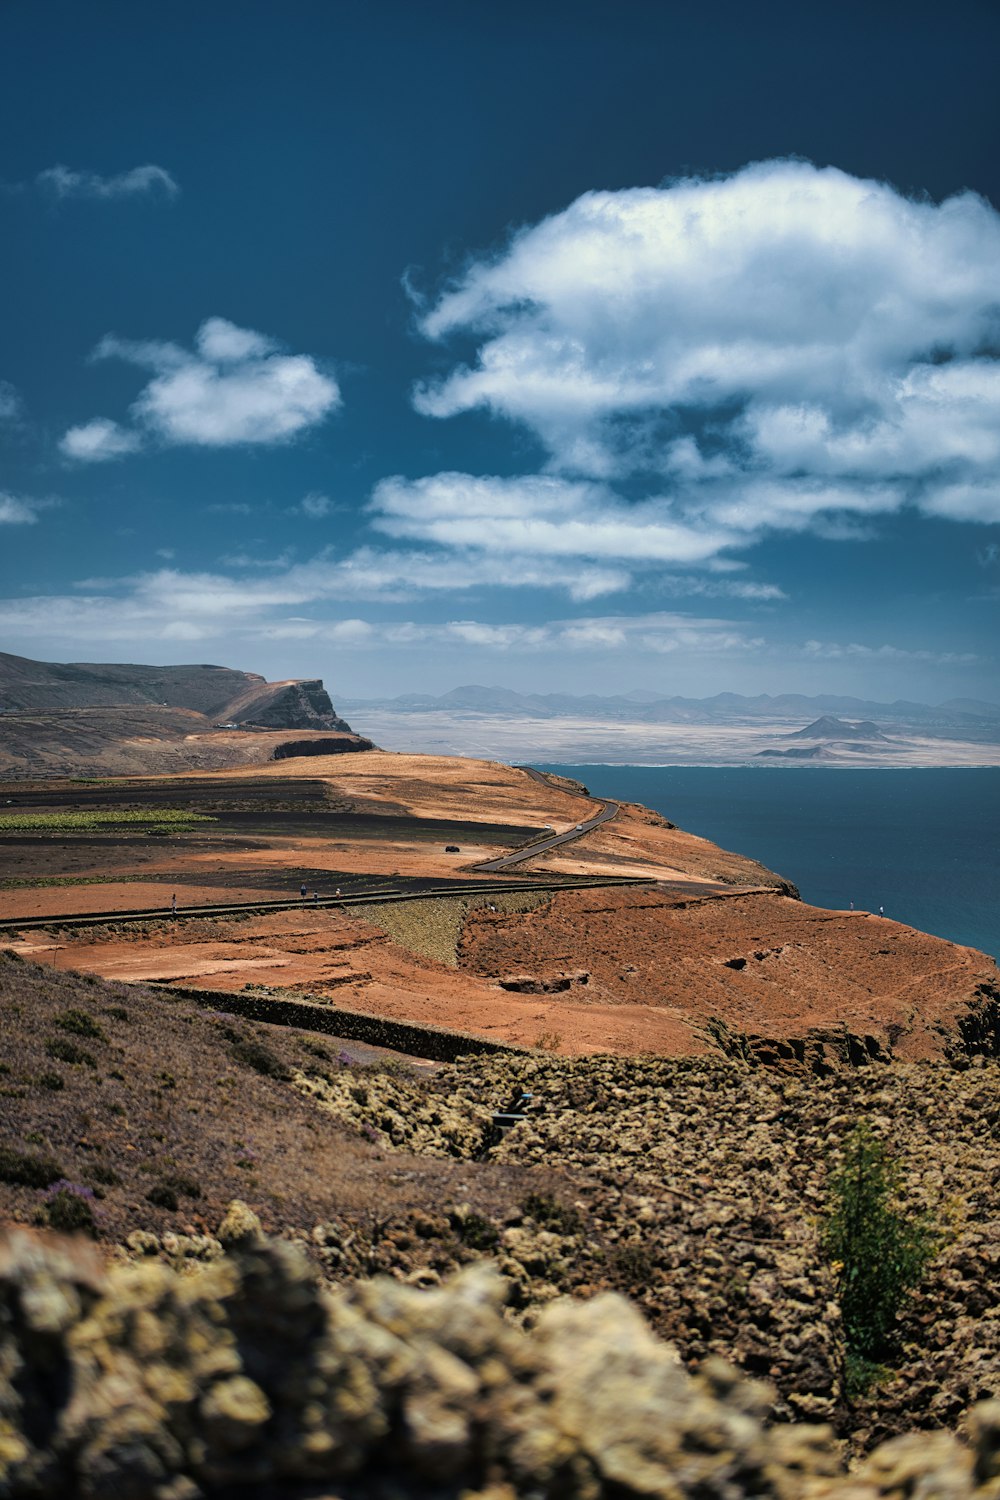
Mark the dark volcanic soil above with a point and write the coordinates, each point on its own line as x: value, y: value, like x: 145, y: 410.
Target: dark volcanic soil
x: 125, y: 1088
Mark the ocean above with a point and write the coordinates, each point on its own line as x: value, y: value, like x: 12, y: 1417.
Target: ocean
x: 925, y: 844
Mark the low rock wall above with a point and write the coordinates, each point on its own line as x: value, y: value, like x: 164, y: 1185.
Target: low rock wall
x: 411, y: 1037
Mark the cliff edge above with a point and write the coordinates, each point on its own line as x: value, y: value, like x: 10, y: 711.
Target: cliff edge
x: 221, y: 694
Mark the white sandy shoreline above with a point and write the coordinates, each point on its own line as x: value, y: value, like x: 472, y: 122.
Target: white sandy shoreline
x: 579, y: 741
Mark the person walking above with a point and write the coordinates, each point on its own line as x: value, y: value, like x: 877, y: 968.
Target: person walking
x: 881, y: 911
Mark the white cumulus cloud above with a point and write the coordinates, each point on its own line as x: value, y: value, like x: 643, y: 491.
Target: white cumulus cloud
x: 758, y: 350
x: 137, y: 182
x: 235, y: 387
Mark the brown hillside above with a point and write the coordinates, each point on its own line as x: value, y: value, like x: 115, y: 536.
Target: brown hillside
x: 711, y: 951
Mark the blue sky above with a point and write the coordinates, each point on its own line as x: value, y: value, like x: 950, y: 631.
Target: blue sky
x: 576, y: 347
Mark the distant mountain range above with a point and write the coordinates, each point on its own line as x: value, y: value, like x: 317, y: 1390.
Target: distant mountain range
x: 970, y: 716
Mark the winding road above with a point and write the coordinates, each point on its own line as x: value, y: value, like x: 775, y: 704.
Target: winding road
x: 607, y: 811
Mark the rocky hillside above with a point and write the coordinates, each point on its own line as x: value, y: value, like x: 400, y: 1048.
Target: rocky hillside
x: 220, y: 694
x: 696, y: 1187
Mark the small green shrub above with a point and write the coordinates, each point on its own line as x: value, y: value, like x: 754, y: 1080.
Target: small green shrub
x: 79, y: 1023
x: 105, y: 1175
x: 69, y: 1211
x: 21, y: 1170
x: 549, y: 1041
x: 117, y: 1012
x: 878, y: 1248
x: 634, y: 1264
x: 316, y: 1048
x: 54, y: 1081
x: 69, y: 1052
x: 261, y: 1059
x: 184, y: 1187
x: 162, y: 1196
x: 545, y: 1209
x: 478, y: 1232
x: 390, y: 1067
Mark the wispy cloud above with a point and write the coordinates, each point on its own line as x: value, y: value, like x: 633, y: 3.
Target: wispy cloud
x: 17, y: 510
x: 236, y: 387
x: 148, y: 180
x: 10, y: 402
x: 316, y: 506
x: 837, y: 651
x: 542, y: 516
x: 171, y: 606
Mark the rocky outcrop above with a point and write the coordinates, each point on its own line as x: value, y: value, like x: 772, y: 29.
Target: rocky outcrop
x: 343, y: 745
x: 979, y: 1027
x: 530, y: 984
x: 301, y: 704
x: 245, y: 1376
x: 821, y: 1050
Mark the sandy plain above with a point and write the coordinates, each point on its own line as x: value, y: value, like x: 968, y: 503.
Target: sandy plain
x: 579, y: 741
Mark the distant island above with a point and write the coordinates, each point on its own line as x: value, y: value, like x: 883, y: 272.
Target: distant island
x: 835, y: 734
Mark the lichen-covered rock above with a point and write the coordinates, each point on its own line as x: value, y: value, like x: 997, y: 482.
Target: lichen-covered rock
x: 240, y: 1229
x: 46, y: 1287
x: 702, y: 1185
x: 247, y: 1376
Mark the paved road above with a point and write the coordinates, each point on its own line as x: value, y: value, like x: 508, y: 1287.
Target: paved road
x: 607, y: 811
x: 362, y: 898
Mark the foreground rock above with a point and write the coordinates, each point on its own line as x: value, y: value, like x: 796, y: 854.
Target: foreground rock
x: 245, y: 1377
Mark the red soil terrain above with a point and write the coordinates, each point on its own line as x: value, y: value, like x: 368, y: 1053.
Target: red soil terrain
x: 712, y: 952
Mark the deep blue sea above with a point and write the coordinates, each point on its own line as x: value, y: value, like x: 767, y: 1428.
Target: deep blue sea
x: 923, y: 844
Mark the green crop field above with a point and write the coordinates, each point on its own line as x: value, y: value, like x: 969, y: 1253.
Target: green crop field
x: 41, y: 822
